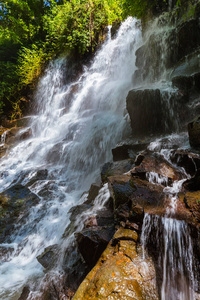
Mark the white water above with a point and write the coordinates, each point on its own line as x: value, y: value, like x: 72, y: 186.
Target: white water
x: 72, y: 137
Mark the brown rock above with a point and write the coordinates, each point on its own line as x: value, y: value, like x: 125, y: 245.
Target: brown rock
x: 194, y: 133
x: 157, y: 164
x: 119, y: 273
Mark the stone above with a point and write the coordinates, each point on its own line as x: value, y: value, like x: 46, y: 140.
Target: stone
x: 192, y: 202
x: 49, y: 257
x: 188, y: 160
x: 25, y: 293
x: 134, y: 196
x: 150, y: 111
x: 194, y: 133
x: 92, y: 242
x: 116, y: 168
x: 119, y: 273
x: 15, y: 203
x: 126, y: 150
x: 157, y: 164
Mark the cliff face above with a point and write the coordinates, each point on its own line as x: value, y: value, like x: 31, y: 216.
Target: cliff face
x: 165, y: 98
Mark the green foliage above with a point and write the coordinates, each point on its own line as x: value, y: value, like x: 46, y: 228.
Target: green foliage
x: 29, y: 64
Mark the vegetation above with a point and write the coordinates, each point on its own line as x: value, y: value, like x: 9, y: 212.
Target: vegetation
x: 33, y: 31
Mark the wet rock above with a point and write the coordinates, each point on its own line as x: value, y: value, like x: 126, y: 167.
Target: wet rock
x: 115, y: 168
x: 126, y: 150
x: 188, y: 160
x: 93, y: 192
x: 23, y: 122
x: 119, y: 273
x: 156, y: 164
x: 92, y: 242
x: 133, y: 196
x: 144, y: 119
x: 188, y: 31
x: 194, y: 133
x: 192, y: 202
x: 149, y: 111
x: 15, y: 203
x: 49, y: 257
x: 25, y: 293
x: 193, y: 184
x: 187, y: 82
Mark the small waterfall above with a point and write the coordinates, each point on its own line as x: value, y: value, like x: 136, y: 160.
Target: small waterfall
x: 172, y: 243
x: 74, y: 128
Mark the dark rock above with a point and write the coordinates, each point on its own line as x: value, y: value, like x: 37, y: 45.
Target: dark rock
x: 49, y: 257
x: 133, y: 196
x: 25, y: 293
x: 194, y: 133
x: 126, y: 150
x: 188, y: 31
x: 15, y: 203
x: 93, y: 192
x: 150, y: 111
x: 188, y: 160
x: 116, y: 168
x: 92, y: 242
x: 193, y: 184
x: 157, y: 164
x: 187, y: 82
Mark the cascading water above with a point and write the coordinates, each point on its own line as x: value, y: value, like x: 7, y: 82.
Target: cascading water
x: 72, y: 136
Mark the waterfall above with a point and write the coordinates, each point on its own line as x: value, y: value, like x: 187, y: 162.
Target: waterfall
x: 74, y: 128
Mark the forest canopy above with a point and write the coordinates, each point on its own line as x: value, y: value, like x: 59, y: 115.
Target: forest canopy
x: 34, y: 31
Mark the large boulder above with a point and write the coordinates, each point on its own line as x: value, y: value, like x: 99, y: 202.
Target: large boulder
x: 120, y: 272
x: 92, y: 242
x: 134, y: 196
x: 150, y: 111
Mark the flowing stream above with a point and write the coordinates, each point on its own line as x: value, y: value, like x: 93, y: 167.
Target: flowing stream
x: 75, y: 126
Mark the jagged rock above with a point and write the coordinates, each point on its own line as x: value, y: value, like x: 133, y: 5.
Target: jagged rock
x: 15, y: 202
x: 116, y: 168
x: 188, y: 160
x: 193, y: 184
x: 25, y: 293
x: 192, y: 202
x: 120, y: 272
x: 187, y: 82
x: 157, y: 164
x: 126, y: 150
x: 144, y: 119
x: 194, y: 133
x: 49, y: 257
x: 133, y: 196
x: 149, y: 111
x: 92, y: 242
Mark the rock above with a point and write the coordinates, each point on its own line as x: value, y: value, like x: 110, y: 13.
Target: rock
x: 93, y: 192
x: 188, y: 31
x: 49, y: 257
x: 194, y: 133
x: 150, y: 111
x: 126, y: 150
x: 120, y: 273
x: 188, y: 160
x: 187, y: 82
x: 156, y: 164
x: 25, y: 293
x: 192, y: 202
x: 92, y: 242
x: 193, y: 184
x: 15, y: 203
x: 133, y: 196
x: 116, y: 168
